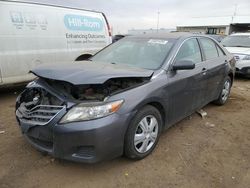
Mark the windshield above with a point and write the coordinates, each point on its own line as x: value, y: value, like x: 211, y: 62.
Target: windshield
x: 137, y: 52
x: 236, y: 41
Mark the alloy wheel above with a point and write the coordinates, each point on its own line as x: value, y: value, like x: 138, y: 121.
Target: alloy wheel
x: 226, y: 90
x: 146, y: 134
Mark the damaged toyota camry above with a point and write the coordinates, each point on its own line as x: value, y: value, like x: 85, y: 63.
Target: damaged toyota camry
x: 121, y: 99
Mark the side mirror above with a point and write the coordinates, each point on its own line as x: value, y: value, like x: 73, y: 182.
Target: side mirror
x: 183, y: 65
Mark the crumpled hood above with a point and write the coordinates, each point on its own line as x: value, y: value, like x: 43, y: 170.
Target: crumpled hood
x: 86, y: 72
x: 238, y: 50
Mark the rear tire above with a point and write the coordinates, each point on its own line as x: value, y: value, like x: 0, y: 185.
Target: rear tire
x: 225, y: 92
x: 143, y: 133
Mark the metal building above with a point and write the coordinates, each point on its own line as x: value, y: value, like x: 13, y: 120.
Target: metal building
x: 224, y: 25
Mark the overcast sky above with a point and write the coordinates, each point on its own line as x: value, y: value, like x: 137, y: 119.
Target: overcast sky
x: 142, y: 14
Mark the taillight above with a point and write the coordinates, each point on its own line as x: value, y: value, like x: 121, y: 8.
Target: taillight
x: 109, y: 28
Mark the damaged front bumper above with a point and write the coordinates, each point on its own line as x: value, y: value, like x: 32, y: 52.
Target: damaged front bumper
x: 89, y: 141
x: 86, y: 141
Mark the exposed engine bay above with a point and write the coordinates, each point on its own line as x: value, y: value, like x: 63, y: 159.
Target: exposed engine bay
x: 37, y: 100
x: 97, y: 92
x: 38, y: 105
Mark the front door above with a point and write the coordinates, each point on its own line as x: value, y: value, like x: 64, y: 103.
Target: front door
x: 186, y: 88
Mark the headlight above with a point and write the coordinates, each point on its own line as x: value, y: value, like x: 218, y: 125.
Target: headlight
x: 247, y: 57
x: 88, y: 111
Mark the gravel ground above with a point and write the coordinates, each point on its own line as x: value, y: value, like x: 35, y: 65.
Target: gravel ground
x: 196, y: 152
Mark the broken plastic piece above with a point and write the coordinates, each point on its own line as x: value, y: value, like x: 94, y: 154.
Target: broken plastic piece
x: 207, y: 124
x: 202, y: 113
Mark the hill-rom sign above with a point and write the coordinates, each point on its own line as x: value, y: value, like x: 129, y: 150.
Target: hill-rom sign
x: 83, y: 23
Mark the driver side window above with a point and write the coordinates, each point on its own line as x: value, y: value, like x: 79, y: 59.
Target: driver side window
x: 189, y: 50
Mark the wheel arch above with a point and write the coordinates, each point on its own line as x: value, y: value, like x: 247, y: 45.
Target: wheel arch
x: 157, y: 103
x: 83, y: 57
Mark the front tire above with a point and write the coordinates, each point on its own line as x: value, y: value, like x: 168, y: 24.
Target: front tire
x: 143, y: 133
x: 225, y: 92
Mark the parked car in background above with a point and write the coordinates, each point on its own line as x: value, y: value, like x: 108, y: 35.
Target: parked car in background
x: 239, y: 45
x: 124, y: 96
x: 32, y: 34
x: 218, y: 38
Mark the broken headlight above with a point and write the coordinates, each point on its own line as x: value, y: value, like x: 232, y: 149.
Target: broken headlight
x: 89, y: 111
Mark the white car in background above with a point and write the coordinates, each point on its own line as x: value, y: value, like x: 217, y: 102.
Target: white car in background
x: 239, y: 45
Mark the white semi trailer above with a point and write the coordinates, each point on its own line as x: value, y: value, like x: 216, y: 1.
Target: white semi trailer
x: 32, y: 34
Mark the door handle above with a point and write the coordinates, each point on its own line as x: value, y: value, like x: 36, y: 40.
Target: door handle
x: 204, y: 71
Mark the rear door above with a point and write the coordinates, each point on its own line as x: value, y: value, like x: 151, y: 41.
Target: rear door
x: 186, y: 88
x: 216, y: 62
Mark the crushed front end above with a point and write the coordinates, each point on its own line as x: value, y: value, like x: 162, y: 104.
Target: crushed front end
x: 43, y: 105
x: 37, y: 110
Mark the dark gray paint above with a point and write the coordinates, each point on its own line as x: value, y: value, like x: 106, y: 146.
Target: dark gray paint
x: 86, y: 72
x: 179, y: 93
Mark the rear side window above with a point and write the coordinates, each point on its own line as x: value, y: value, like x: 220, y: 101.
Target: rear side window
x: 190, y: 50
x: 209, y: 48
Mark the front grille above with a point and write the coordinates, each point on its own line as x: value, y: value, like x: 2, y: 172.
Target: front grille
x: 39, y: 115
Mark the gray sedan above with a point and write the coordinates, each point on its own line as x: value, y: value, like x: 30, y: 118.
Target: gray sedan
x: 121, y: 99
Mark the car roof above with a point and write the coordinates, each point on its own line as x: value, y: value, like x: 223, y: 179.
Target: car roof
x: 173, y: 35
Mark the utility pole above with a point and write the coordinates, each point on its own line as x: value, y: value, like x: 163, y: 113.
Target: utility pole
x: 158, y: 17
x: 235, y: 12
